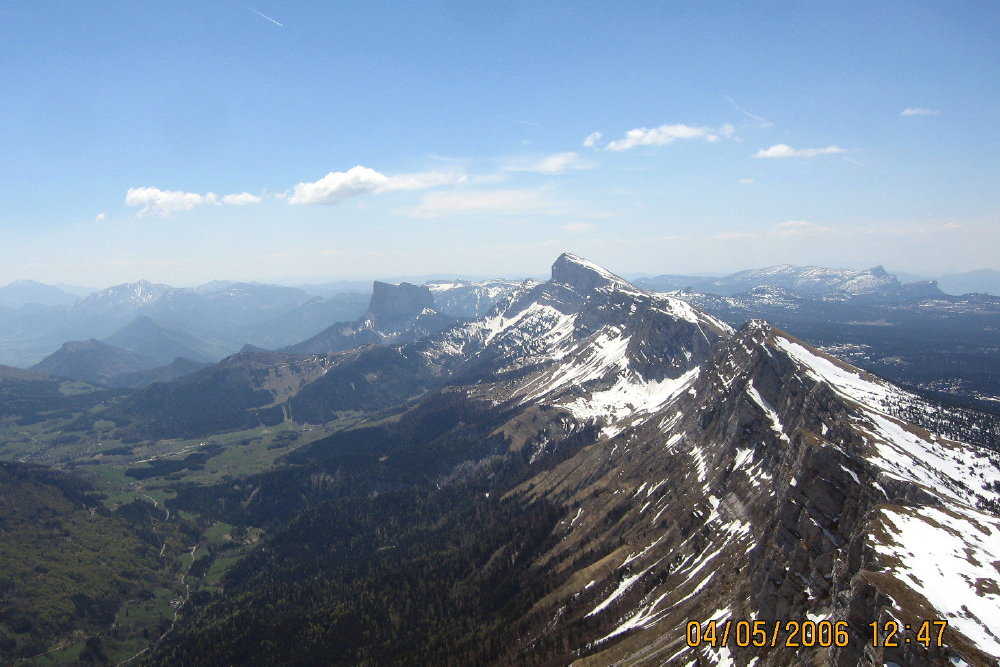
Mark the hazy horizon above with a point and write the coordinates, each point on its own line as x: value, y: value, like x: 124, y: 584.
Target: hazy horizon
x: 419, y: 278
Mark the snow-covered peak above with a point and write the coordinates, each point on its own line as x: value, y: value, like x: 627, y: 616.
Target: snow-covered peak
x: 584, y: 275
x: 138, y: 293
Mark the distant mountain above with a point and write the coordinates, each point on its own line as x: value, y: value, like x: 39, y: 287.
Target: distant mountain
x: 807, y: 280
x: 224, y: 314
x: 669, y: 282
x: 92, y: 361
x: 307, y: 319
x: 983, y: 281
x: 76, y: 290
x: 148, y: 339
x: 335, y: 287
x: 175, y: 370
x: 22, y: 292
x: 224, y: 310
x: 396, y: 314
x: 127, y: 296
x: 914, y: 334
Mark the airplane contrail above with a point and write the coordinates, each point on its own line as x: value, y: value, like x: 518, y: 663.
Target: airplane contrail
x: 267, y: 18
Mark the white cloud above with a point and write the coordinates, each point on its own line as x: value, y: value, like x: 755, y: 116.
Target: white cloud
x: 578, y: 227
x: 241, y: 199
x: 163, y: 203
x: 155, y: 201
x: 558, y: 163
x: 784, y: 150
x: 500, y: 202
x: 800, y: 228
x: 101, y: 217
x: 592, y: 139
x: 422, y: 180
x: 745, y: 181
x: 337, y: 186
x: 919, y: 111
x: 666, y: 134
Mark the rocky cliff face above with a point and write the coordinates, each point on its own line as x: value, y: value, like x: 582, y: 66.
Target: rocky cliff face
x: 779, y: 485
x: 395, y: 303
x: 396, y: 314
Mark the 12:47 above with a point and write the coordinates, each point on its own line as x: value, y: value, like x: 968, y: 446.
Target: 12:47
x: 927, y: 633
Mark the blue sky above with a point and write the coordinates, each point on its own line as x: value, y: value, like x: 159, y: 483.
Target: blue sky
x: 185, y: 141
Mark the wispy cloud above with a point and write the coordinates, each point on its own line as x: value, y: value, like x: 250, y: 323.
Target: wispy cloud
x: 667, y: 134
x: 267, y: 18
x: 337, y: 186
x: 759, y: 120
x: 497, y: 202
x: 101, y: 217
x: 592, y: 140
x: 784, y: 151
x: 163, y: 203
x: 241, y: 199
x: 558, y: 163
x: 919, y: 111
x: 745, y: 181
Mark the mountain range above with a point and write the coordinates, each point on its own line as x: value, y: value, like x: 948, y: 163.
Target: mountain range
x: 224, y: 315
x: 662, y: 467
x: 808, y: 281
x: 573, y: 476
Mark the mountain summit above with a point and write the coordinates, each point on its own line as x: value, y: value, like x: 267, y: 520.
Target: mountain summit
x: 584, y: 275
x: 393, y: 304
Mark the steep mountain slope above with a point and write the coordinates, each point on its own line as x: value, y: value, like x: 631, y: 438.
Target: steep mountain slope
x: 918, y: 337
x: 793, y: 470
x: 472, y: 299
x: 92, y: 361
x: 147, y: 338
x: 698, y: 474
